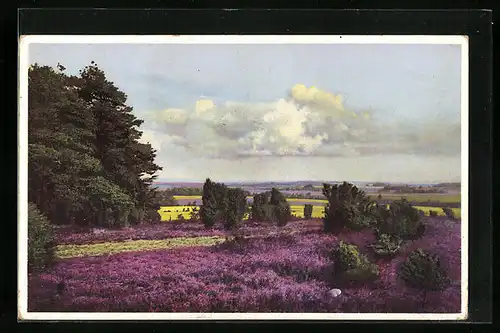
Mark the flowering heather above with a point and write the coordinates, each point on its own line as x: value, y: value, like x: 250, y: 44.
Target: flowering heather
x: 279, y: 273
x: 166, y: 230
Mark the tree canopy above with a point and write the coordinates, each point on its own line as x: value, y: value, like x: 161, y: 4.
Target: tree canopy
x: 86, y: 164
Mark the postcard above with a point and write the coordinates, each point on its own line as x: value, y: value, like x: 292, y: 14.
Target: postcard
x: 243, y: 177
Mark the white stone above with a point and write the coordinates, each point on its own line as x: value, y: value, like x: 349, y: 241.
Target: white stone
x: 335, y: 292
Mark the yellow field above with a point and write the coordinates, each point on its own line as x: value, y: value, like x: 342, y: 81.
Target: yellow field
x: 298, y: 210
x: 306, y: 200
x: 456, y: 211
x: 187, y: 197
x: 168, y: 213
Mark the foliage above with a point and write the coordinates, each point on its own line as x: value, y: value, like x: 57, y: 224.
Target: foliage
x: 209, y: 207
x: 258, y: 207
x: 86, y: 165
x: 400, y: 220
x: 282, y: 213
x: 271, y: 206
x: 433, y: 213
x: 184, y: 191
x: 353, y: 266
x: 235, y: 204
x: 347, y: 207
x: 308, y: 210
x: 40, y: 238
x: 387, y: 246
x: 423, y: 270
x: 449, y: 213
x: 152, y: 216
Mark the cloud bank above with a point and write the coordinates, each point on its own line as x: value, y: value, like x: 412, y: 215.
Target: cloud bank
x: 307, y: 122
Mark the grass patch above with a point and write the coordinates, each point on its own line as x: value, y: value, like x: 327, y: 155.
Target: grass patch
x: 87, y: 250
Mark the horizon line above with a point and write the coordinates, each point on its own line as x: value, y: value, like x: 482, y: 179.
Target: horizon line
x: 305, y: 180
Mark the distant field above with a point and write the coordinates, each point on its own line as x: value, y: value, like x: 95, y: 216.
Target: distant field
x: 184, y: 197
x: 456, y: 211
x: 421, y: 197
x: 172, y: 212
x: 444, y: 198
x: 298, y: 210
x: 168, y: 213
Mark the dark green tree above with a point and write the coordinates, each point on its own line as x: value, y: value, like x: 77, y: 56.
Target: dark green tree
x: 86, y: 164
x: 40, y: 233
x: 234, y: 208
x: 308, y: 210
x: 348, y: 207
x: 208, y: 209
x: 126, y: 162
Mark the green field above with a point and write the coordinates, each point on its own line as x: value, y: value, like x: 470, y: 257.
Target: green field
x: 72, y: 251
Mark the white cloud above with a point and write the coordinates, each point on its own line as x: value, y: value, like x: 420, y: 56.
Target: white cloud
x: 309, y: 121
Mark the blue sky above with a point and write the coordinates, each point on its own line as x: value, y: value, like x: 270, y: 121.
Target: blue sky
x: 263, y: 96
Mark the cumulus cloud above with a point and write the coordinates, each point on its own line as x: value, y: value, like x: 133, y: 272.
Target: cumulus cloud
x: 309, y: 121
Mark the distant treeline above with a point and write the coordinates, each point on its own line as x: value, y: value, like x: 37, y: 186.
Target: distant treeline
x: 186, y: 191
x: 412, y: 189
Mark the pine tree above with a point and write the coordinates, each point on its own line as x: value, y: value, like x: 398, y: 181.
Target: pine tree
x: 208, y: 209
x: 85, y: 162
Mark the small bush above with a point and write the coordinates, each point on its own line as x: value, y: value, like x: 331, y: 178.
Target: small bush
x: 209, y: 206
x: 180, y: 217
x: 449, y: 213
x: 234, y: 208
x: 423, y: 270
x: 152, y: 216
x: 282, y: 213
x: 137, y: 216
x: 352, y: 266
x: 387, y: 246
x: 40, y: 239
x: 401, y: 220
x: 270, y: 206
x: 348, y: 207
x: 308, y: 210
x: 433, y: 213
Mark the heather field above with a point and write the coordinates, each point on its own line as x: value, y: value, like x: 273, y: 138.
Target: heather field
x: 181, y: 267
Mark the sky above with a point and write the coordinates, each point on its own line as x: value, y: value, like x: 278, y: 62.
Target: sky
x: 284, y: 112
